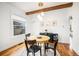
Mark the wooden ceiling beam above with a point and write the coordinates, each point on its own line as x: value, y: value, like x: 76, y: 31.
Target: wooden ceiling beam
x: 50, y: 8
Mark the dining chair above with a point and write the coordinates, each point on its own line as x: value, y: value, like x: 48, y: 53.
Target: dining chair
x: 27, y: 35
x: 32, y: 47
x: 52, y: 44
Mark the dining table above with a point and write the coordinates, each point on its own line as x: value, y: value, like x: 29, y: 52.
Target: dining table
x: 39, y: 39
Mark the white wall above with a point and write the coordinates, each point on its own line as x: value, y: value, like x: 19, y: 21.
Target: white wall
x: 61, y: 27
x: 74, y: 12
x: 34, y: 25
x: 7, y: 39
x: 62, y: 24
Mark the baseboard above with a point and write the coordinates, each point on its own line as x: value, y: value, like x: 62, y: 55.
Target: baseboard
x: 2, y: 52
x: 76, y: 52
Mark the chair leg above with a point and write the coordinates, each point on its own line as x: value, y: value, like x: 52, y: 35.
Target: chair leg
x: 27, y: 53
x: 33, y: 53
x: 54, y: 52
x: 40, y: 53
x: 45, y: 52
x: 38, y: 44
x: 47, y: 46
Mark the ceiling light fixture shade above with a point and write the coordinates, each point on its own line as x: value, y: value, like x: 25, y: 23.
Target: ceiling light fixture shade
x: 40, y: 4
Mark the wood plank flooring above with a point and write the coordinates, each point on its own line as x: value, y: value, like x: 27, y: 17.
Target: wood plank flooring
x: 9, y: 51
x: 63, y: 49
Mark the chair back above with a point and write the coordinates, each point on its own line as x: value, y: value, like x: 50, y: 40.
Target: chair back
x: 26, y: 44
x: 29, y: 43
x: 42, y: 34
x: 50, y: 35
x: 55, y: 39
x: 27, y: 35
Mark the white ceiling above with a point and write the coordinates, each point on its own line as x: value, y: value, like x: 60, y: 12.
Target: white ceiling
x: 30, y: 6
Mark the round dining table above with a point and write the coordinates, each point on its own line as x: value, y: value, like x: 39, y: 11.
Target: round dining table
x: 39, y: 39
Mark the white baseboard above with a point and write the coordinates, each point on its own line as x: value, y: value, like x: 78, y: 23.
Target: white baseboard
x: 77, y: 52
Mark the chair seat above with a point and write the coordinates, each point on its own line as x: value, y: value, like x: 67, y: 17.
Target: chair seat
x: 49, y: 47
x: 34, y: 48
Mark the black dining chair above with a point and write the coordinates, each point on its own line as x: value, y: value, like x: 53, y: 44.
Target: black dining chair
x: 31, y: 46
x: 27, y: 35
x: 52, y: 44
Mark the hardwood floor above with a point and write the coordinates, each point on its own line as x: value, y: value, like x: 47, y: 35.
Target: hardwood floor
x: 11, y: 50
x: 63, y: 49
